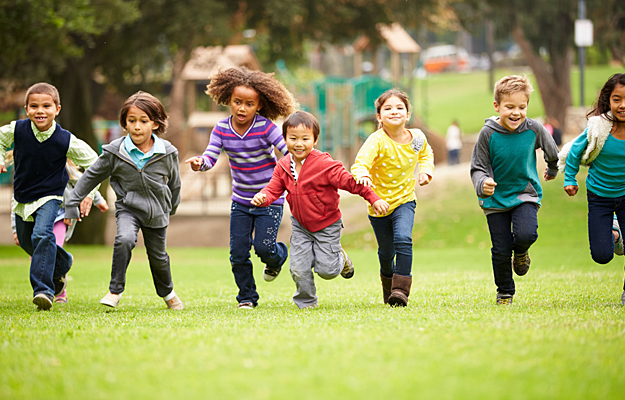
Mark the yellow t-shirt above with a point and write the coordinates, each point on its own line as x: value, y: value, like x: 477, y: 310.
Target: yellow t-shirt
x: 391, y: 166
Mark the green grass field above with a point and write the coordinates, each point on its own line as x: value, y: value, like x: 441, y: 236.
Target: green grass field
x: 469, y: 99
x: 561, y: 339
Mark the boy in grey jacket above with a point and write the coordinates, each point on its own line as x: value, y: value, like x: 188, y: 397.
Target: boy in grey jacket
x: 145, y: 176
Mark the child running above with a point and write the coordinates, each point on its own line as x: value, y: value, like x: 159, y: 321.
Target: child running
x: 145, y: 176
x: 312, y: 179
x: 503, y: 171
x: 387, y: 162
x: 42, y: 148
x: 602, y: 147
x: 62, y: 232
x: 249, y: 137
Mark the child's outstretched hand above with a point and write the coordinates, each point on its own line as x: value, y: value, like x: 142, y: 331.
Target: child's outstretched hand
x: 103, y: 205
x: 380, y: 207
x: 15, y: 239
x: 571, y: 190
x: 548, y: 177
x: 259, y: 199
x: 2, y: 169
x: 195, y: 163
x: 424, y: 179
x: 67, y: 221
x: 364, y: 180
x: 489, y: 187
x: 85, y: 206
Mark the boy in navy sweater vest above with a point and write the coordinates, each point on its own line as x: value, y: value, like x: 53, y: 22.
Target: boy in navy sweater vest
x: 42, y: 148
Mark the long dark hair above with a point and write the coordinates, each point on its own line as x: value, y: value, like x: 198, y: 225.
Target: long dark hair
x: 602, y: 105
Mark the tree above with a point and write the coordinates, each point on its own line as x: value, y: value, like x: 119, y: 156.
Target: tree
x: 548, y: 26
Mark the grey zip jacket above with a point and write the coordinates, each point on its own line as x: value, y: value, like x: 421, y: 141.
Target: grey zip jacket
x: 151, y: 194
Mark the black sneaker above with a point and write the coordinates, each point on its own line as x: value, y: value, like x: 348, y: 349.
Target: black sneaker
x: 42, y: 302
x: 269, y: 274
x: 60, y: 284
x: 504, y: 298
x: 521, y: 263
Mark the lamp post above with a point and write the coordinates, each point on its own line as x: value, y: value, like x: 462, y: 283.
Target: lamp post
x: 583, y: 39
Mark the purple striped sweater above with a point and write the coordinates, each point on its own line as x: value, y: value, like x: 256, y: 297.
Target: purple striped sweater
x: 251, y: 156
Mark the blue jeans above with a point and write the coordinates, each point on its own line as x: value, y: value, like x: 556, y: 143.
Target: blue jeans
x: 601, y: 211
x: 394, y: 235
x: 513, y: 230
x: 264, y: 222
x: 37, y: 238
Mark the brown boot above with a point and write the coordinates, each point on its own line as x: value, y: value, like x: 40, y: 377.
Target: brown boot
x: 386, y: 287
x: 400, y: 290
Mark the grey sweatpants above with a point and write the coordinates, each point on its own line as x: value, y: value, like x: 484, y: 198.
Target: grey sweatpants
x: 319, y: 251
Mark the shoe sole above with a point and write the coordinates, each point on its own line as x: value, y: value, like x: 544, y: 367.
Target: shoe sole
x: 396, y: 301
x: 42, y: 303
x: 108, y: 304
x: 269, y: 278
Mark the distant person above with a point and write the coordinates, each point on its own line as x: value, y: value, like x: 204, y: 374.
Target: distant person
x: 63, y: 233
x: 145, y: 176
x: 249, y: 138
x: 503, y: 171
x: 387, y: 162
x: 312, y: 179
x: 453, y: 140
x: 42, y: 148
x: 601, y: 147
x: 551, y: 124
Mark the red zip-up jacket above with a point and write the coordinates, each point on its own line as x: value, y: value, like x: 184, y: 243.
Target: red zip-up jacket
x: 314, y: 198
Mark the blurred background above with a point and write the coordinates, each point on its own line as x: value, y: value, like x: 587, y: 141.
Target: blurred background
x: 336, y: 56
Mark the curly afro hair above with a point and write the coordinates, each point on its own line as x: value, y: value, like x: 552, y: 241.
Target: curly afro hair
x: 275, y: 100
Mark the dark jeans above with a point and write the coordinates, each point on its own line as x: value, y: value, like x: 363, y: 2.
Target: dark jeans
x: 264, y: 222
x: 453, y: 157
x: 37, y: 238
x: 394, y: 235
x: 513, y: 230
x: 155, y: 240
x: 601, y: 212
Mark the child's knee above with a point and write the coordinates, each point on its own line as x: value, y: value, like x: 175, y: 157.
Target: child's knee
x: 602, y: 257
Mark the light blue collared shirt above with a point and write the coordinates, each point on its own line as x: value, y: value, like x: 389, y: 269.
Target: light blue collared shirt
x: 140, y: 158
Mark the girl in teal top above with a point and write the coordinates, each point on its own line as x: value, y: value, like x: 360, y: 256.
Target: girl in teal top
x: 602, y: 147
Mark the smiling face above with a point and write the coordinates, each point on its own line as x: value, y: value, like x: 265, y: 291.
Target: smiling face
x: 393, y: 113
x: 617, y: 103
x: 300, y: 141
x: 512, y: 110
x: 140, y: 127
x: 244, y: 103
x: 41, y: 110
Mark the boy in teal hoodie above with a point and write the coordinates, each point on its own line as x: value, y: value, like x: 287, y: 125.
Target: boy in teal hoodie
x: 503, y: 171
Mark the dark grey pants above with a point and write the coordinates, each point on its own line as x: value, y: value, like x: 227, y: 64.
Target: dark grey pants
x: 156, y: 248
x: 319, y: 251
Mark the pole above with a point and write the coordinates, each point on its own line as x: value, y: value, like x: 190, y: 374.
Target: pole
x: 582, y: 50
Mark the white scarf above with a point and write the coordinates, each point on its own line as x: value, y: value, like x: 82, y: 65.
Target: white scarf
x: 599, y: 128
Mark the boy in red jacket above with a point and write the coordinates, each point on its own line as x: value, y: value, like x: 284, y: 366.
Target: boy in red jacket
x: 314, y: 201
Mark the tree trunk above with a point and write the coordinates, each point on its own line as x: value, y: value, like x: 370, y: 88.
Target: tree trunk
x: 554, y: 80
x: 177, y: 132
x: 78, y: 103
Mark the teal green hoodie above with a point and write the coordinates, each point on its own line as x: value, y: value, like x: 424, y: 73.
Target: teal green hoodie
x: 509, y: 158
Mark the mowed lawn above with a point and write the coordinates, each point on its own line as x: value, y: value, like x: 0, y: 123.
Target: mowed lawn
x: 563, y: 338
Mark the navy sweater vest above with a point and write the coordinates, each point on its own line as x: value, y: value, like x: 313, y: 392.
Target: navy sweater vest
x: 39, y: 166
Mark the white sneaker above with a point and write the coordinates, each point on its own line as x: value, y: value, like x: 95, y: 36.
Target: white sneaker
x: 111, y: 300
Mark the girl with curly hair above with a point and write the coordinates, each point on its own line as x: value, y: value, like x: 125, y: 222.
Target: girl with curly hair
x: 248, y: 137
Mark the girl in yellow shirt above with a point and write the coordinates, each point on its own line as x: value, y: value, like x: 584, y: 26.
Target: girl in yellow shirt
x: 387, y: 162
